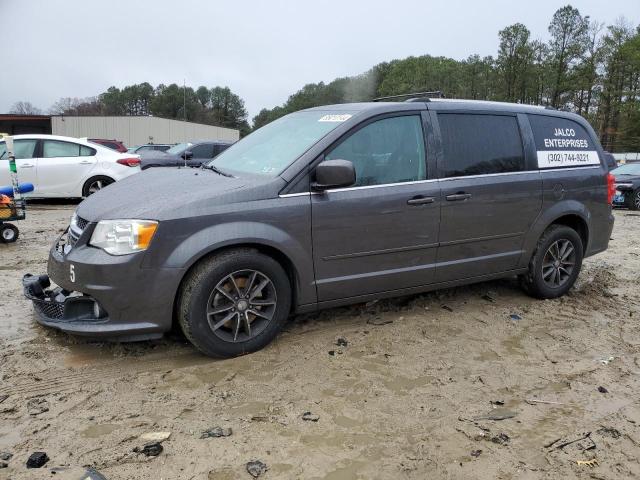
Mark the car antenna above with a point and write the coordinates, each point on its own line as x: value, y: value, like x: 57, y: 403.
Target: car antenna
x: 413, y: 97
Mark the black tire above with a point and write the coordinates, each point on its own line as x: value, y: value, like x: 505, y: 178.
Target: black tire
x: 633, y: 200
x: 9, y: 233
x: 539, y: 282
x: 199, y: 292
x: 89, y: 186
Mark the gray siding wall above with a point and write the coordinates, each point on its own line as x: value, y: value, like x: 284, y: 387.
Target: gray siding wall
x: 139, y: 130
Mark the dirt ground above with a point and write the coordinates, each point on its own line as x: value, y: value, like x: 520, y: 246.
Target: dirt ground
x: 420, y: 390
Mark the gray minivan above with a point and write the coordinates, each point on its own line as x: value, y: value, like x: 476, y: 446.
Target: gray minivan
x: 331, y: 206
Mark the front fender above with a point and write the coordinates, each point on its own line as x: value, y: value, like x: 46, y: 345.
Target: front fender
x: 294, y: 244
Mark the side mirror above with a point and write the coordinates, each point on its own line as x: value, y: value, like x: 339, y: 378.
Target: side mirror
x: 188, y: 154
x: 334, y: 174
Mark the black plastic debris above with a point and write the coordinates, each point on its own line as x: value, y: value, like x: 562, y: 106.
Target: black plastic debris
x: 256, y: 468
x: 6, y: 456
x: 501, y: 439
x: 150, y: 449
x: 601, y: 389
x: 4, y: 464
x: 342, y: 342
x: 476, y: 453
x: 37, y: 460
x: 310, y: 417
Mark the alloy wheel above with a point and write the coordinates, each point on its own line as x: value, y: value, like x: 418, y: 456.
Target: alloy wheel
x: 636, y: 200
x: 558, y: 263
x: 241, y: 305
x: 8, y: 235
x: 97, y: 185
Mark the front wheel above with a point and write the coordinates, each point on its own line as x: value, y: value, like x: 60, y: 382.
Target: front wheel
x: 555, y: 264
x: 633, y: 200
x: 234, y: 302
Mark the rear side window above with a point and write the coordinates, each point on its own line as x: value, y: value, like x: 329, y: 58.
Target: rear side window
x: 480, y: 144
x: 561, y: 142
x: 21, y: 149
x: 386, y: 151
x: 55, y: 148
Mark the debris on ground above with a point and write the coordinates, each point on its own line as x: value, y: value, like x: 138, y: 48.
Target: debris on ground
x: 607, y: 360
x: 601, y: 389
x: 497, y: 402
x: 497, y: 414
x: 582, y: 442
x: 151, y: 437
x: 256, y: 468
x: 342, y: 342
x: 515, y: 317
x: 501, y: 439
x: 4, y: 464
x: 533, y: 401
x: 3, y: 398
x: 37, y: 460
x: 6, y: 456
x: 379, y: 321
x: 587, y: 463
x: 447, y: 308
x: 476, y: 453
x: 216, y: 432
x: 150, y: 449
x: 36, y: 406
x: 310, y: 417
x: 488, y: 297
x: 609, y: 432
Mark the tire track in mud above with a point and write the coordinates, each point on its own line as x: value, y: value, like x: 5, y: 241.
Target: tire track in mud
x: 63, y: 381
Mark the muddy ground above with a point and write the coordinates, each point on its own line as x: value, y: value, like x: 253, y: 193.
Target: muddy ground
x: 410, y: 396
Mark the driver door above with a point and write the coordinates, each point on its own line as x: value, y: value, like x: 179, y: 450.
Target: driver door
x: 380, y: 234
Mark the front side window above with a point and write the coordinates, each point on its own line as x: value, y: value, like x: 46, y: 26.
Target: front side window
x: 480, y: 144
x: 56, y: 148
x: 387, y: 151
x: 22, y: 149
x: 203, y: 151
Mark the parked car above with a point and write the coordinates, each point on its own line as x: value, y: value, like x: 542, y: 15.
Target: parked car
x: 116, y: 145
x: 332, y: 206
x: 151, y: 147
x: 627, y: 186
x: 183, y: 154
x: 65, y: 167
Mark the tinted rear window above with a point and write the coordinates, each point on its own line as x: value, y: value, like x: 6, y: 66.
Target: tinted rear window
x: 561, y: 142
x: 480, y: 144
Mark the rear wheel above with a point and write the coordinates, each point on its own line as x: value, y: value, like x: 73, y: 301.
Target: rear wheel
x: 95, y: 184
x: 8, y: 233
x: 233, y: 303
x: 555, y: 264
x: 633, y: 200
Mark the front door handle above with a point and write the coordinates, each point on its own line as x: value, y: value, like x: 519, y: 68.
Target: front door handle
x: 420, y: 200
x: 456, y: 197
x: 27, y: 165
x: 86, y: 162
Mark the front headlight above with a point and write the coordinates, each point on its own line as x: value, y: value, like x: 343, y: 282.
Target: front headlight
x: 121, y: 237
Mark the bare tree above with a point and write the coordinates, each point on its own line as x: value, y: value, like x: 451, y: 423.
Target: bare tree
x: 25, y: 108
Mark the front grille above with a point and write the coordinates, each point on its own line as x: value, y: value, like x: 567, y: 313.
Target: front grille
x: 52, y: 310
x: 81, y: 223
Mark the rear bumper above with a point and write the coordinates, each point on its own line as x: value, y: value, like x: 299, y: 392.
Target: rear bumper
x: 105, y: 297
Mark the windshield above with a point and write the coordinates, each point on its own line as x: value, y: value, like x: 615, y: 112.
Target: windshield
x: 628, y: 169
x: 179, y: 148
x: 272, y: 148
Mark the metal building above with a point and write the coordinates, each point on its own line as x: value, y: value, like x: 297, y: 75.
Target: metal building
x: 129, y: 129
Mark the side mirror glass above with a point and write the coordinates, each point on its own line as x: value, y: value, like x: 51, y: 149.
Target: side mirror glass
x: 334, y: 174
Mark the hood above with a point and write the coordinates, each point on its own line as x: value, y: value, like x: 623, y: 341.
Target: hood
x: 159, y: 194
x: 625, y: 177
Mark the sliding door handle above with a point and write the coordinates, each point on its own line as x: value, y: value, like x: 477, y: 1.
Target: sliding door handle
x: 420, y: 200
x: 456, y: 197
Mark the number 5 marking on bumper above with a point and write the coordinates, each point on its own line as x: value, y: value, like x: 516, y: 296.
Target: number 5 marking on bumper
x: 72, y: 273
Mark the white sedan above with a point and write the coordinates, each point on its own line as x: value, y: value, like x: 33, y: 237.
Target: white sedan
x: 65, y: 167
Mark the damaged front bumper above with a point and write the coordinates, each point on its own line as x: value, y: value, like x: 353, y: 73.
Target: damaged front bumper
x: 76, y: 313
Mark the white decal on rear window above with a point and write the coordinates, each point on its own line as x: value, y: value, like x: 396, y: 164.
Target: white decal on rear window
x: 335, y: 118
x: 567, y: 158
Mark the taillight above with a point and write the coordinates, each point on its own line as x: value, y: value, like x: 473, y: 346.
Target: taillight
x: 611, y: 188
x: 129, y: 162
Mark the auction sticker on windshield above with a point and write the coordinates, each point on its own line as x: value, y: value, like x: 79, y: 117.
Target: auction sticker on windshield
x: 335, y: 118
x: 562, y: 143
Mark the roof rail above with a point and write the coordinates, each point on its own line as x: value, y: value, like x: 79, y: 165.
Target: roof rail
x: 413, y: 97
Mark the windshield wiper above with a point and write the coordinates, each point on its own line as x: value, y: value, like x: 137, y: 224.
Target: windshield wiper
x: 217, y: 170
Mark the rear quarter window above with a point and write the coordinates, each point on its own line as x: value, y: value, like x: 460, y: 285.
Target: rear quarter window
x: 561, y: 142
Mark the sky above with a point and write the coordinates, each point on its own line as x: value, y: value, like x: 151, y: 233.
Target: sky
x: 263, y: 50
